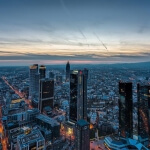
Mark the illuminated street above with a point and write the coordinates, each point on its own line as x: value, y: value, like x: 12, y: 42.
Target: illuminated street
x: 97, y: 145
x: 4, y: 139
x: 20, y: 94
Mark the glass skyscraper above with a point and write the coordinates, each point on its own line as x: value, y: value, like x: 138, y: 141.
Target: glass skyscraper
x: 46, y: 94
x: 82, y: 138
x: 78, y: 95
x: 67, y: 71
x: 143, y: 94
x: 33, y: 79
x: 125, y: 109
x: 42, y: 71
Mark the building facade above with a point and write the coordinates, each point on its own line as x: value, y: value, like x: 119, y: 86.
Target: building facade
x: 143, y: 95
x: 125, y: 109
x: 46, y: 94
x: 42, y: 71
x: 67, y: 71
x: 78, y: 95
x: 33, y: 80
x: 82, y: 135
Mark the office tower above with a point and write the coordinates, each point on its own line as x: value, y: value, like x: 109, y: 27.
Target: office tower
x: 33, y: 140
x: 82, y: 135
x: 85, y: 77
x: 143, y: 96
x: 67, y: 71
x: 78, y: 95
x: 125, y: 109
x: 42, y: 71
x: 32, y: 75
x: 37, y: 78
x: 51, y: 75
x: 46, y: 92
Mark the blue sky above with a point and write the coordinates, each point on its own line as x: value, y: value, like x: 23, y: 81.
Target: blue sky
x: 85, y: 31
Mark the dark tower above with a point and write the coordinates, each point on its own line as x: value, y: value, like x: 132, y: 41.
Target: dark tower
x: 125, y: 109
x: 82, y: 135
x: 85, y: 77
x: 67, y: 71
x: 33, y: 79
x: 42, y: 71
x: 143, y: 95
x: 78, y: 95
x: 46, y: 96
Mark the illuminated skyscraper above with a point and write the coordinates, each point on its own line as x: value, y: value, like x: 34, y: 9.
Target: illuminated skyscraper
x: 125, y: 109
x: 33, y: 79
x: 42, y: 71
x: 78, y: 95
x: 82, y: 135
x: 143, y: 94
x: 67, y: 71
x: 46, y: 93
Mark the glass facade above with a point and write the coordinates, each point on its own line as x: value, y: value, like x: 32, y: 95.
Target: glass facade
x: 143, y: 94
x: 67, y: 71
x: 125, y: 109
x: 73, y: 96
x: 78, y: 95
x: 42, y: 71
x: 46, y: 93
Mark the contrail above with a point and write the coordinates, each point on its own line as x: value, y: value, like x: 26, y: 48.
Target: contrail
x: 70, y: 15
x: 101, y: 41
x: 83, y: 36
x: 65, y: 8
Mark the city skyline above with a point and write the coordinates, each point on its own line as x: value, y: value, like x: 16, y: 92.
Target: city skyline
x: 52, y: 32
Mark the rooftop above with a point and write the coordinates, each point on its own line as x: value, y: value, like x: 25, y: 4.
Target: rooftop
x: 47, y: 120
x: 29, y: 138
x: 82, y: 123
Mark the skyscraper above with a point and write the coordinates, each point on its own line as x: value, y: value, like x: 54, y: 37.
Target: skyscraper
x: 42, y: 71
x: 67, y: 71
x: 82, y: 135
x: 143, y: 95
x: 78, y: 95
x: 32, y: 75
x: 46, y: 94
x: 85, y: 77
x: 125, y: 109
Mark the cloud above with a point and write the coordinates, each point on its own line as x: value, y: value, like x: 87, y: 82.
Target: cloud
x: 143, y: 28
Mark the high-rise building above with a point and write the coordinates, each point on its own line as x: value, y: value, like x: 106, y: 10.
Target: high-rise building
x: 82, y: 135
x: 125, y: 109
x: 78, y: 95
x: 42, y: 71
x: 36, y: 66
x: 143, y: 95
x: 33, y: 79
x: 85, y: 77
x: 46, y: 93
x: 37, y: 78
x: 67, y: 71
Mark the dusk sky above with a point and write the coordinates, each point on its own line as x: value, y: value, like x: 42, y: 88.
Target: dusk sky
x: 82, y: 31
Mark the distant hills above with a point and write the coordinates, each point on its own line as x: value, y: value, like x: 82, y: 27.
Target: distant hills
x: 139, y: 65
